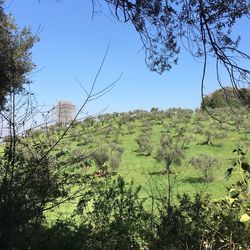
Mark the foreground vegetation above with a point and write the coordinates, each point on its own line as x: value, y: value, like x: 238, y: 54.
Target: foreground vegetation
x: 136, y: 180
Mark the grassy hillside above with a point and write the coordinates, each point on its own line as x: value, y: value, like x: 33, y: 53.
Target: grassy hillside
x: 71, y: 185
x: 108, y: 145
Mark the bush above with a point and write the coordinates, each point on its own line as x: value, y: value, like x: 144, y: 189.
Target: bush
x: 131, y: 127
x: 100, y: 157
x: 170, y: 155
x: 200, y: 224
x: 166, y: 140
x: 28, y: 183
x: 115, y: 161
x: 205, y: 164
x: 117, y: 219
x: 170, y: 151
x: 144, y: 144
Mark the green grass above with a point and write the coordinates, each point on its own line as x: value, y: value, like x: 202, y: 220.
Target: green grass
x: 147, y: 172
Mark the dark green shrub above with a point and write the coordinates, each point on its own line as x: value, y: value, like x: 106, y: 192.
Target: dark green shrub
x: 200, y: 224
x: 117, y: 219
x: 100, y: 157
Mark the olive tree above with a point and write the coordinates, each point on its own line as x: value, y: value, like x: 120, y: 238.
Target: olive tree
x: 170, y: 151
x: 206, y: 164
x: 144, y: 143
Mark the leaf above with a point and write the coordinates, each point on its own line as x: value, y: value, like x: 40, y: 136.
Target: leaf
x: 245, y: 219
x: 230, y: 200
x: 245, y: 166
x: 233, y: 193
x: 228, y: 173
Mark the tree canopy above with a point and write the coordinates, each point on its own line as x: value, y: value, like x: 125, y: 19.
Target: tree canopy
x: 226, y: 97
x: 15, y: 55
x: 204, y: 26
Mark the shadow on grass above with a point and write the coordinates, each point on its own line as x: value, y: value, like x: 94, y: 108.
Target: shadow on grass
x: 218, y: 145
x: 141, y: 154
x: 112, y: 173
x: 161, y: 172
x: 193, y: 180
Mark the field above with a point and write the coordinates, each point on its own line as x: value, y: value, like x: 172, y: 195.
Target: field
x: 115, y: 141
x: 159, y: 179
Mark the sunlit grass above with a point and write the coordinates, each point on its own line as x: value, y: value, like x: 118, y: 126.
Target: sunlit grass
x: 146, y: 172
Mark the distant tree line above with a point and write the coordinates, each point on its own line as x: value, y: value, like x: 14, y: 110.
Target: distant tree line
x: 225, y: 97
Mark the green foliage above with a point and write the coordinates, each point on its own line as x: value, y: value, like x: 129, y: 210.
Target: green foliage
x: 144, y: 143
x: 107, y: 132
x: 100, y: 156
x: 208, y: 135
x: 166, y: 140
x: 169, y: 155
x: 206, y: 164
x: 105, y: 219
x: 111, y: 215
x: 107, y: 155
x: 28, y: 183
x: 131, y: 128
x: 240, y: 190
x: 115, y: 215
x: 15, y: 56
x: 200, y: 224
x: 115, y: 155
x: 115, y: 161
x: 227, y: 97
x: 170, y: 151
x: 245, y: 219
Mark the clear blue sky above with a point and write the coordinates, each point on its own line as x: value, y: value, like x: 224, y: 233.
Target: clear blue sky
x: 72, y: 46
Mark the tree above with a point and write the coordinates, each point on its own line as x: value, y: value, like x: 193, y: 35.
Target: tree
x: 144, y: 143
x: 64, y: 112
x: 226, y: 97
x: 170, y: 151
x: 15, y: 55
x: 33, y: 178
x: 29, y: 177
x: 206, y: 164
